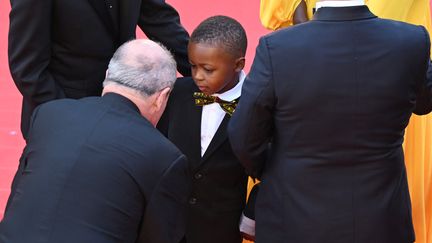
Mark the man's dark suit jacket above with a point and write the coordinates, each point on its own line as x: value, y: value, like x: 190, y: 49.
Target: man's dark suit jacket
x: 94, y: 170
x: 218, y: 179
x: 333, y: 96
x: 61, y: 48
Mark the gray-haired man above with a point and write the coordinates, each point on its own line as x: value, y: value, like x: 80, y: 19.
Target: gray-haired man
x: 98, y: 170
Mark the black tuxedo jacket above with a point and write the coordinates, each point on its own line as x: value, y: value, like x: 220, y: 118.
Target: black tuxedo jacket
x: 97, y: 171
x: 218, y: 179
x: 61, y: 48
x: 333, y: 96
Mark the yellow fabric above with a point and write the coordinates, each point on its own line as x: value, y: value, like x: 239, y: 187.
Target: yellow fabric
x: 418, y: 136
x: 275, y: 14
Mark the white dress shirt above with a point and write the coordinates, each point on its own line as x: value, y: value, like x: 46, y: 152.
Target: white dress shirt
x: 350, y: 3
x: 213, y: 114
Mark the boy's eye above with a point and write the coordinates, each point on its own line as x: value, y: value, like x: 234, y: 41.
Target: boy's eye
x: 208, y: 70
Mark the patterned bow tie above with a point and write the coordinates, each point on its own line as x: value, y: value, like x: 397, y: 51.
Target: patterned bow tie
x: 202, y: 99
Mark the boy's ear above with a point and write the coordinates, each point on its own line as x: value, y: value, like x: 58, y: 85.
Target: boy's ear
x: 239, y: 64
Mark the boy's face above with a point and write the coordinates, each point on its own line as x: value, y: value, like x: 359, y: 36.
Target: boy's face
x: 213, y: 69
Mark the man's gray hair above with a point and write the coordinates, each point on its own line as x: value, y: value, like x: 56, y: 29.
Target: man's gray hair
x: 143, y: 72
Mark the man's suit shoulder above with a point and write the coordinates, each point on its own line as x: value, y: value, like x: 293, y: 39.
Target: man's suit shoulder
x: 61, y: 106
x: 411, y: 39
x: 388, y: 23
x: 397, y: 32
x: 137, y: 135
x: 66, y: 102
x: 397, y: 24
x: 155, y: 142
x: 403, y: 27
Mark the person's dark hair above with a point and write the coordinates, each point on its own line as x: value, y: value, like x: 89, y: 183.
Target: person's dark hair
x: 223, y: 31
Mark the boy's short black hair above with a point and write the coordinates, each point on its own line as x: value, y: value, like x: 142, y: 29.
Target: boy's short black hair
x: 223, y: 31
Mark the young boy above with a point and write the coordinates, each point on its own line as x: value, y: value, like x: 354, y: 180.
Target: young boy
x: 196, y: 121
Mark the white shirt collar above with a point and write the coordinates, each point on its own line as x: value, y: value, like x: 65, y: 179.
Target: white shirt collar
x: 235, y: 92
x: 350, y: 3
x: 212, y: 114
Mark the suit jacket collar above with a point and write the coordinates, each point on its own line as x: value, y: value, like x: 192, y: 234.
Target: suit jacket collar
x: 347, y: 3
x: 194, y: 130
x: 343, y: 13
x: 120, y: 101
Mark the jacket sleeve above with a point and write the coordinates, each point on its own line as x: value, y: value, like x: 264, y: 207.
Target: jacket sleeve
x: 254, y: 113
x: 161, y: 23
x: 424, y: 81
x: 429, y: 82
x: 424, y: 95
x: 165, y: 216
x: 30, y: 50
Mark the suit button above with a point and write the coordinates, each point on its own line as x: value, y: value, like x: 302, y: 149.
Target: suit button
x: 198, y: 176
x: 192, y: 200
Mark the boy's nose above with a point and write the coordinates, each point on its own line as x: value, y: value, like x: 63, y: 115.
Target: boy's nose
x: 198, y: 76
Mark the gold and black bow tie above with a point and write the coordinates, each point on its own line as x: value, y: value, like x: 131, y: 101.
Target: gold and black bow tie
x: 202, y: 99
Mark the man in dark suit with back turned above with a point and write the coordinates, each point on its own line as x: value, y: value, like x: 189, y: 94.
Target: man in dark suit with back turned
x: 334, y: 172
x: 96, y: 169
x: 61, y: 48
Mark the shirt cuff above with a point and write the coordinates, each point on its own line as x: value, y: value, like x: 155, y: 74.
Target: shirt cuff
x: 247, y: 225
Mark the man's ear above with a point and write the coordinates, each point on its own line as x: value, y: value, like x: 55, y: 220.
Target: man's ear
x: 162, y: 98
x: 239, y: 64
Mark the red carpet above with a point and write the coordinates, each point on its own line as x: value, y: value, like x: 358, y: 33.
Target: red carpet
x: 11, y: 142
x: 191, y: 12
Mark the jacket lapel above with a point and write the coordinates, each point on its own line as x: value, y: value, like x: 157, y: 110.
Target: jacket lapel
x: 193, y: 134
x: 219, y: 137
x: 101, y: 9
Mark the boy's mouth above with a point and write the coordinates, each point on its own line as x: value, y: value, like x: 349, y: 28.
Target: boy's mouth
x: 202, y: 88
